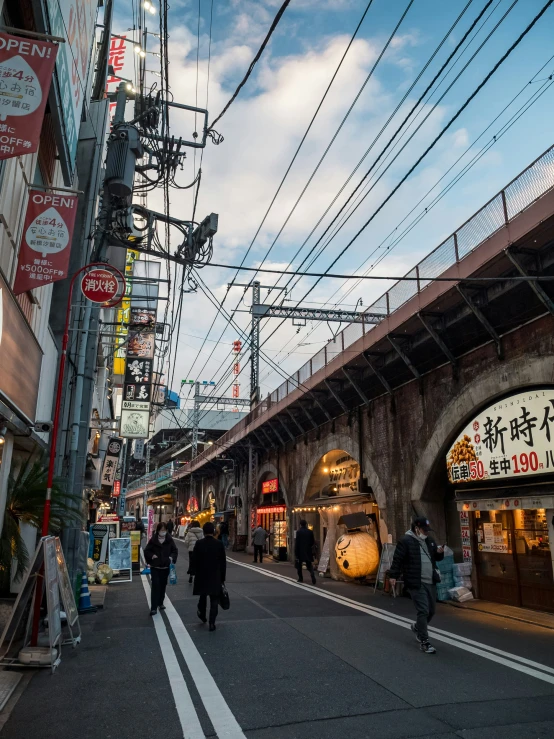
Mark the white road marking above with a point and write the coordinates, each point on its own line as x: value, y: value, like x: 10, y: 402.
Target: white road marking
x: 186, y: 711
x: 223, y: 720
x: 521, y: 664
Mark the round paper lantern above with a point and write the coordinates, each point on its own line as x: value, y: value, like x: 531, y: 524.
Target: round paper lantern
x: 357, y: 554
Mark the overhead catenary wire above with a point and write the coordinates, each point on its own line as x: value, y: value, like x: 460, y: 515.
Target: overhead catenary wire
x: 458, y: 46
x: 253, y: 62
x: 283, y: 179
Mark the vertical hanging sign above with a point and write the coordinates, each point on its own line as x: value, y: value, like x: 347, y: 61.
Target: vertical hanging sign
x: 26, y: 68
x: 47, y: 234
x: 111, y: 461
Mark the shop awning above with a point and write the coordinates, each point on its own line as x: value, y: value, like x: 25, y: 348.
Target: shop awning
x: 525, y: 502
x: 334, y: 502
x: 160, y: 500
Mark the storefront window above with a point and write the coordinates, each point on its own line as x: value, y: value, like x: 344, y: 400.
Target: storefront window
x: 532, y: 547
x: 495, y: 545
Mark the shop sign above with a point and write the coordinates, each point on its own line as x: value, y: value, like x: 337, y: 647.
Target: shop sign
x: 466, y: 536
x: 26, y: 68
x: 116, y: 489
x: 20, y: 356
x: 270, y: 486
x: 272, y: 509
x: 511, y: 438
x: 108, y: 518
x: 111, y: 460
x: 135, y: 405
x: 138, y: 392
x: 99, y: 285
x: 124, y: 314
x: 506, y: 504
x: 140, y: 345
x: 143, y: 316
x: 73, y: 20
x: 46, y: 240
x: 192, y: 505
x: 135, y: 424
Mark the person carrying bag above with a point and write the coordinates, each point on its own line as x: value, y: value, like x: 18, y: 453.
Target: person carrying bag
x: 160, y: 553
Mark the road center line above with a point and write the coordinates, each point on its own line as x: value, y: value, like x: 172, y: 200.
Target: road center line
x: 186, y: 711
x: 521, y: 664
x: 223, y: 720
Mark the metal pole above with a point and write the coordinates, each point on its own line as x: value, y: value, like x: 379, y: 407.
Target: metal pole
x: 78, y: 399
x: 195, y: 419
x: 255, y: 350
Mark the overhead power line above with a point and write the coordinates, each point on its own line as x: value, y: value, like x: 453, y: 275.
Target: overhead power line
x: 253, y: 63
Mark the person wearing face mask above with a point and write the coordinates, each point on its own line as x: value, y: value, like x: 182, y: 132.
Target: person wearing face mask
x: 415, y: 557
x: 160, y: 552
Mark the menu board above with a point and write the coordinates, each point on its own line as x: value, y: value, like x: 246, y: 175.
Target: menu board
x: 65, y: 586
x: 323, y: 563
x: 52, y: 591
x: 120, y: 554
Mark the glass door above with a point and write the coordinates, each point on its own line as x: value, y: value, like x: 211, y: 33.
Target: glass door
x: 495, y: 559
x: 534, y: 559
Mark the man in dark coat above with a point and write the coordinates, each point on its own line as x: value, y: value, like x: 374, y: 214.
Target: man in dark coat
x: 160, y: 552
x: 416, y: 556
x: 210, y: 562
x: 304, y: 550
x: 170, y: 526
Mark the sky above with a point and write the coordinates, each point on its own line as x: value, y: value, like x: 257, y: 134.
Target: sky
x: 265, y: 124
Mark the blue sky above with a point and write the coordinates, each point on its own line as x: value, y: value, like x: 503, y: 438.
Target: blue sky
x: 263, y: 127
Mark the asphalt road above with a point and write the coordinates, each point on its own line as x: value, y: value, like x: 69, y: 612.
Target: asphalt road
x: 287, y: 662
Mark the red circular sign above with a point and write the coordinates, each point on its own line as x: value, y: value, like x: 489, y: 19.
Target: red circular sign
x: 102, y: 286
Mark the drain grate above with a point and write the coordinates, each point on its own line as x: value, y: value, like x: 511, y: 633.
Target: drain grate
x: 8, y: 683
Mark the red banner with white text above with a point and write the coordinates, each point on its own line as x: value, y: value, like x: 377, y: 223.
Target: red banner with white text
x: 26, y: 68
x: 46, y: 240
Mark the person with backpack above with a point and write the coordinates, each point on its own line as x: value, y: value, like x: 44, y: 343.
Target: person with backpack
x: 415, y: 557
x: 160, y: 553
x: 194, y: 534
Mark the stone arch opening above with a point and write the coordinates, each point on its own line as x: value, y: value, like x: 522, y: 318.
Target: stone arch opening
x: 269, y: 510
x: 335, y: 488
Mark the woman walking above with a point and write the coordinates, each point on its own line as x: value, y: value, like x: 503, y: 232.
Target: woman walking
x: 160, y: 552
x: 194, y: 534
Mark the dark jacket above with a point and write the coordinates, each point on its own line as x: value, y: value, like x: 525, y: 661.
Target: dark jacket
x: 224, y: 528
x: 210, y: 562
x: 407, y: 560
x: 162, y: 552
x: 304, y: 544
x: 170, y: 527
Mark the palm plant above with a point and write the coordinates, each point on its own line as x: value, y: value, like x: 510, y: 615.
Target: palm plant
x: 25, y: 504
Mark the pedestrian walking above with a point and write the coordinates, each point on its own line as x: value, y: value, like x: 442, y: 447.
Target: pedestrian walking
x: 194, y: 534
x: 304, y: 544
x: 415, y: 557
x: 160, y: 552
x: 210, y: 562
x: 224, y: 533
x: 259, y: 536
x: 170, y: 526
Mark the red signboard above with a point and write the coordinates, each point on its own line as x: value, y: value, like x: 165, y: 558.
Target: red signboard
x: 100, y: 285
x: 270, y: 486
x: 26, y: 68
x: 46, y: 240
x: 116, y: 489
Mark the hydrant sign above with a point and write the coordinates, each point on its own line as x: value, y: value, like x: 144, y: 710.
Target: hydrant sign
x: 26, y: 68
x: 46, y: 240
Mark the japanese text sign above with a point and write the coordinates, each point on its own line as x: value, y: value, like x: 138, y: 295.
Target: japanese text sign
x: 270, y: 486
x: 26, y: 68
x: 111, y: 461
x: 46, y: 240
x: 99, y: 285
x: 512, y: 438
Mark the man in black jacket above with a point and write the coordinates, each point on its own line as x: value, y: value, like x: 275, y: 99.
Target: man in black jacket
x: 210, y: 562
x: 416, y: 556
x: 304, y: 550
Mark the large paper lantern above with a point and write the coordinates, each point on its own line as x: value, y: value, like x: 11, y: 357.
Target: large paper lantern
x: 357, y: 554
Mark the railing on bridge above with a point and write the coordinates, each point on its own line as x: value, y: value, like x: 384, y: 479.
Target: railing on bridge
x: 523, y: 191
x: 152, y: 478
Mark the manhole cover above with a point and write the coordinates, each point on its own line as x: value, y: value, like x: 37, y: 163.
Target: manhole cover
x: 8, y: 683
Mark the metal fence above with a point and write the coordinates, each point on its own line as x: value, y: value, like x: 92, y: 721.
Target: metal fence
x: 523, y: 191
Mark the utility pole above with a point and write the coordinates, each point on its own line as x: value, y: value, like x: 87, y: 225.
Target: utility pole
x: 195, y: 419
x: 255, y: 338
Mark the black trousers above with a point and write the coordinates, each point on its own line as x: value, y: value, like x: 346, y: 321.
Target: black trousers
x: 258, y: 548
x: 159, y: 584
x: 425, y: 599
x: 309, y: 567
x: 190, y: 570
x: 202, y: 603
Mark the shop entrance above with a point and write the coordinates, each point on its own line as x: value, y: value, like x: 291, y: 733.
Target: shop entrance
x: 513, y: 558
x: 273, y: 519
